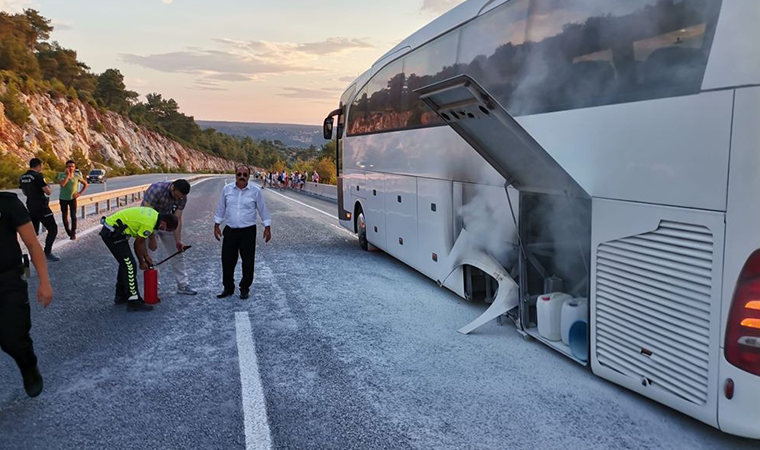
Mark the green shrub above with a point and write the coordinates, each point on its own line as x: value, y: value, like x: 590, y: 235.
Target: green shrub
x: 15, y: 109
x: 11, y: 168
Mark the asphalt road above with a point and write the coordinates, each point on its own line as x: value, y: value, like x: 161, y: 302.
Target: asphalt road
x: 355, y: 351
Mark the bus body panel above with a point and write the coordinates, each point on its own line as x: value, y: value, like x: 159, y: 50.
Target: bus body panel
x: 734, y: 57
x: 401, y: 218
x: 435, y: 213
x: 741, y: 414
x: 656, y: 300
x: 436, y: 152
x: 375, y: 212
x: 611, y: 150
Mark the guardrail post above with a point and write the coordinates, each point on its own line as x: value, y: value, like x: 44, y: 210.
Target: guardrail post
x: 97, y: 207
x: 108, y: 204
x: 83, y: 212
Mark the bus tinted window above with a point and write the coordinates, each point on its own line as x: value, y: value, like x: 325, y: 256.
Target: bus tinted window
x: 539, y: 56
x: 577, y: 53
x: 357, y: 114
x: 491, y: 49
x: 432, y: 63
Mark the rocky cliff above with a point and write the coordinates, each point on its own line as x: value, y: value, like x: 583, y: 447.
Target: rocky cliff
x: 106, y: 138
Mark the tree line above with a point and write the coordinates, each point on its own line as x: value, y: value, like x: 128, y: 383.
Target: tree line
x: 31, y: 64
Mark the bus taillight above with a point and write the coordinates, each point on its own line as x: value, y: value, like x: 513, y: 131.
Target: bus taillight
x: 742, y: 344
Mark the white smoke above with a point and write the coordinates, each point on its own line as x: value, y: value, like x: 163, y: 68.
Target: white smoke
x: 490, y: 225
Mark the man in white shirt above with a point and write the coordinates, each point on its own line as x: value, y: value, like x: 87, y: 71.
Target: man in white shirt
x: 237, y: 208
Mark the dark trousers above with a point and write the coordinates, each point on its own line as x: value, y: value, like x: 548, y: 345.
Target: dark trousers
x: 69, y: 209
x: 126, y: 280
x: 238, y: 241
x: 44, y: 216
x: 15, y: 320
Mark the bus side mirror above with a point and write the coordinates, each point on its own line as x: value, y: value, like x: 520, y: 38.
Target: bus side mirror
x: 327, y: 130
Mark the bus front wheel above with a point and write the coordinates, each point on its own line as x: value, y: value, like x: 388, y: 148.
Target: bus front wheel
x: 361, y: 230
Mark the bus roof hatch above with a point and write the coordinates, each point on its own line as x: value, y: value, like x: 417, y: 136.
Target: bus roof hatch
x: 476, y: 116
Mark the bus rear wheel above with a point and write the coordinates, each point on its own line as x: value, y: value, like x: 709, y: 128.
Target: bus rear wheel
x: 361, y: 230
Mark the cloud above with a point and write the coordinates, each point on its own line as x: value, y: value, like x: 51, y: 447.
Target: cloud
x: 61, y: 26
x: 312, y: 94
x: 217, y: 63
x: 439, y: 6
x: 346, y: 79
x: 167, y: 2
x: 14, y: 6
x: 240, y: 61
x: 309, y: 50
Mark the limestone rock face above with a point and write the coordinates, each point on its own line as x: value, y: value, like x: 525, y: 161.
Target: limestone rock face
x: 106, y: 137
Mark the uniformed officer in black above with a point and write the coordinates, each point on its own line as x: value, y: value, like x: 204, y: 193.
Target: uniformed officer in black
x: 33, y: 184
x: 15, y: 319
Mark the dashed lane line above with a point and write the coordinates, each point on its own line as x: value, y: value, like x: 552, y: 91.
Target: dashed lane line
x: 257, y: 435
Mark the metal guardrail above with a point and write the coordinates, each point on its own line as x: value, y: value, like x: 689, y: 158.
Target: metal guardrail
x: 112, y: 199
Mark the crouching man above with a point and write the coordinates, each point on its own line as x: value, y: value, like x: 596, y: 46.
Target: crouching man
x: 140, y: 223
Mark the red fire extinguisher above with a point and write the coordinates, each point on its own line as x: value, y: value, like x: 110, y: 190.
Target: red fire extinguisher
x: 151, y: 286
x: 151, y: 279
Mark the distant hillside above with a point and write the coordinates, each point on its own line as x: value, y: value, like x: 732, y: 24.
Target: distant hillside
x: 291, y: 135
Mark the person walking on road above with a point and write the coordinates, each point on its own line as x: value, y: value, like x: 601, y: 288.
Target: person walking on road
x: 139, y: 223
x: 171, y: 198
x: 15, y: 315
x: 36, y: 190
x: 237, y: 209
x: 67, y: 197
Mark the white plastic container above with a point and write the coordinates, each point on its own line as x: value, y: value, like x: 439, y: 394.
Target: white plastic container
x: 572, y: 311
x: 549, y: 311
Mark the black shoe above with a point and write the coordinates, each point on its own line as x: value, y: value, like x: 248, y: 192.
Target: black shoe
x: 73, y: 236
x: 32, y: 381
x: 138, y: 305
x: 51, y: 257
x: 225, y: 294
x: 244, y: 294
x: 119, y: 300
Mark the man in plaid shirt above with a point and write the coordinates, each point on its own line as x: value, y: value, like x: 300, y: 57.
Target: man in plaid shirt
x: 170, y: 197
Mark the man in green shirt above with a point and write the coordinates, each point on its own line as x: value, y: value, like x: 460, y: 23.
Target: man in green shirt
x: 139, y: 223
x: 69, y: 181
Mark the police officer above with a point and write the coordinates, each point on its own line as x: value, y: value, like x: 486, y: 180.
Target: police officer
x: 139, y: 223
x: 15, y: 319
x: 33, y: 184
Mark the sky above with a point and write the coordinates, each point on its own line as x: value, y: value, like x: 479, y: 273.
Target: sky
x: 278, y: 61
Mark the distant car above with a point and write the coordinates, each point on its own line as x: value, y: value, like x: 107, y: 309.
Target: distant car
x: 96, y: 176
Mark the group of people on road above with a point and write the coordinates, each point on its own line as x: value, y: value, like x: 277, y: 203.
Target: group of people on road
x: 159, y: 218
x: 284, y: 180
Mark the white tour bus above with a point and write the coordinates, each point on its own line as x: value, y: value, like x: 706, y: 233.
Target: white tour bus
x: 606, y: 150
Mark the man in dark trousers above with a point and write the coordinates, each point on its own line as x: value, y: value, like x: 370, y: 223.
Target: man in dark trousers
x: 15, y: 319
x: 33, y: 184
x: 237, y: 208
x: 68, y: 194
x: 139, y: 223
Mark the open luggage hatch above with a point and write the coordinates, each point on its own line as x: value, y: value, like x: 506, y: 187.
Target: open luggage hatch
x: 479, y: 119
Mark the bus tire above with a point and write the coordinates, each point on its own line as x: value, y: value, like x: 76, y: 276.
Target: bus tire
x: 361, y: 229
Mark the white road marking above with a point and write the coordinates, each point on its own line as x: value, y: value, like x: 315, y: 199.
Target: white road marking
x: 303, y: 204
x: 315, y: 209
x: 257, y: 436
x: 63, y: 244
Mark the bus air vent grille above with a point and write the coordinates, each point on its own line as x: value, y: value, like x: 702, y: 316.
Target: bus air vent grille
x: 653, y: 308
